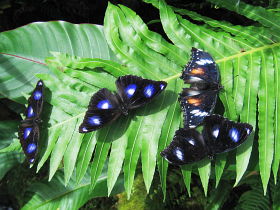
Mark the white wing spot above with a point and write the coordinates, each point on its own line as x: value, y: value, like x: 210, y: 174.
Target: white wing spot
x: 204, y: 61
x: 179, y: 154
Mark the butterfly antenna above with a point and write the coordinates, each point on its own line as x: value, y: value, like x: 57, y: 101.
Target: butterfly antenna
x: 231, y: 79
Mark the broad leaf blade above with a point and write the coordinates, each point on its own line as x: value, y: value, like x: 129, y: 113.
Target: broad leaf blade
x: 23, y: 50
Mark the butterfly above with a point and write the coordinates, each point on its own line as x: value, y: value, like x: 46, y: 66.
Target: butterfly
x: 199, y: 100
x: 105, y: 106
x: 219, y: 135
x: 29, y: 131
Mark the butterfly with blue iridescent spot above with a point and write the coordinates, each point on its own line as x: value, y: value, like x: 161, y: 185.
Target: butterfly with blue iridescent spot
x: 219, y: 135
x: 29, y: 131
x: 105, y: 106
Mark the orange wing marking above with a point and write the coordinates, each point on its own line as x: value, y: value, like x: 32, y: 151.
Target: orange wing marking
x: 194, y: 101
x: 196, y: 71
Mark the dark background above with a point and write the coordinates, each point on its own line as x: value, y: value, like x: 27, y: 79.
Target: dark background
x: 15, y: 13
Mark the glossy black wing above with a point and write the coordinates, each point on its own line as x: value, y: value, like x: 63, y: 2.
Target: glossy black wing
x: 29, y: 131
x: 103, y: 108
x: 187, y: 147
x: 222, y: 135
x: 135, y: 91
x: 35, y: 102
x: 196, y: 105
x: 201, y: 68
x: 29, y: 135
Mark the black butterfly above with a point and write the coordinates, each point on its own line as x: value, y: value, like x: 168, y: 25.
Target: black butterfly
x: 29, y: 131
x: 199, y: 100
x: 219, y: 135
x: 132, y: 92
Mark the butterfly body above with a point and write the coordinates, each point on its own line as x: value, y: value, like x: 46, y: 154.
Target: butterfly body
x: 199, y: 100
x: 219, y: 135
x: 29, y: 129
x: 105, y: 106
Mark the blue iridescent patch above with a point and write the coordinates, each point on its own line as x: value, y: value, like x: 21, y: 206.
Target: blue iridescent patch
x: 40, y: 83
x: 31, y: 148
x: 234, y: 134
x: 130, y: 90
x: 31, y: 160
x: 26, y: 132
x: 94, y: 120
x: 149, y: 91
x: 104, y: 104
x: 37, y: 95
x: 30, y: 111
x: 162, y: 86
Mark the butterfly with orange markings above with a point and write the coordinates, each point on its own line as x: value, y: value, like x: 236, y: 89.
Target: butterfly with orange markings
x: 199, y: 100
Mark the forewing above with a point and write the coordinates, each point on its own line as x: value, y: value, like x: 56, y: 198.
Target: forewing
x: 196, y: 105
x: 35, y: 102
x: 135, y: 91
x: 201, y: 68
x: 29, y: 137
x: 187, y: 147
x: 103, y: 108
x: 222, y: 135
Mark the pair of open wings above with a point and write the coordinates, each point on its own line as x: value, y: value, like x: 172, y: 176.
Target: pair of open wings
x: 132, y: 92
x: 219, y: 135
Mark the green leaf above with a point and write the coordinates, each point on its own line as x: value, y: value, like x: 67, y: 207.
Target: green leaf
x: 204, y: 170
x: 132, y: 47
x: 254, y: 198
x: 259, y: 14
x: 220, y: 163
x: 100, y: 155
x: 187, y: 175
x: 23, y: 50
x: 218, y: 196
x: 85, y: 154
x: 168, y: 130
x: 276, y: 160
x: 54, y: 195
x: 153, y: 40
x: 117, y: 155
x: 9, y: 154
x: 266, y: 108
x: 248, y: 114
x: 150, y: 135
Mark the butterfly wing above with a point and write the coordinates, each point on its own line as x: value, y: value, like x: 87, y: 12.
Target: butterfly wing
x: 196, y: 105
x: 29, y: 131
x: 135, y: 91
x: 187, y: 147
x: 35, y: 102
x: 29, y: 135
x: 201, y: 68
x: 103, y: 108
x: 222, y: 135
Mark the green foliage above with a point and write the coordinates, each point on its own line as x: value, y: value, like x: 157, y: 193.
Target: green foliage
x: 254, y: 198
x: 54, y: 195
x: 248, y: 59
x: 9, y: 157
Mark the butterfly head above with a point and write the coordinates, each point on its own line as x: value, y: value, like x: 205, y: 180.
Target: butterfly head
x: 37, y: 120
x: 211, y: 157
x: 220, y: 86
x: 124, y: 110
